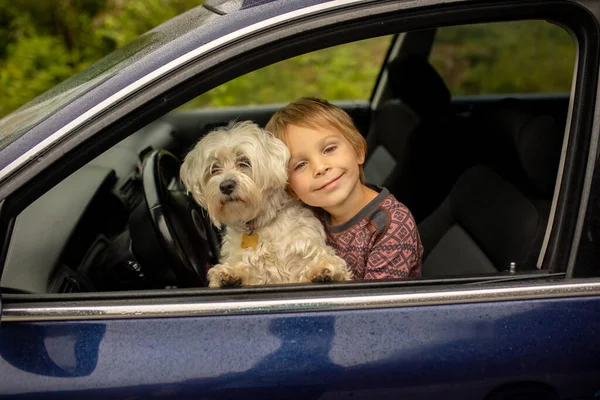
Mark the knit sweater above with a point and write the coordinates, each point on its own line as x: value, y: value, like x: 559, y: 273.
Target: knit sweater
x: 380, y: 242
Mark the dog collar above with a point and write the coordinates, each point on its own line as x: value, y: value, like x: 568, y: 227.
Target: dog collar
x: 250, y: 226
x: 249, y: 239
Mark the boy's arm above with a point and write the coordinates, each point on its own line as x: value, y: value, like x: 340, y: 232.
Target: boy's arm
x: 397, y: 253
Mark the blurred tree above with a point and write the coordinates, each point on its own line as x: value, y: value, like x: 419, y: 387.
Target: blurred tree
x: 491, y: 58
x: 45, y: 42
x: 342, y: 72
x: 505, y: 57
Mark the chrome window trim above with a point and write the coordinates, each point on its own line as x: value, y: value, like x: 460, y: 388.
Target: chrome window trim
x: 563, y: 157
x: 587, y: 183
x: 383, y: 82
x: 178, y: 307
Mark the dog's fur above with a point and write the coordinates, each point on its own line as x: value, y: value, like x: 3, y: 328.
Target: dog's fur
x: 291, y: 241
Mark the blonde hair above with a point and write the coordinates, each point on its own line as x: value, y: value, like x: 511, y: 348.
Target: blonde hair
x: 309, y: 112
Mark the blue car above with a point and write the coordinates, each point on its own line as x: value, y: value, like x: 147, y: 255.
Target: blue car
x: 103, y: 255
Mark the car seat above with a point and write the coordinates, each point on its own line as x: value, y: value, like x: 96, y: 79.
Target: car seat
x: 497, y: 211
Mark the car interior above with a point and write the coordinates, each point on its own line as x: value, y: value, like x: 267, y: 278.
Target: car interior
x: 478, y: 173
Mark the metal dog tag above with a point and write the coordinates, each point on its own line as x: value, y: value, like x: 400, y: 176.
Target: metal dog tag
x: 249, y: 240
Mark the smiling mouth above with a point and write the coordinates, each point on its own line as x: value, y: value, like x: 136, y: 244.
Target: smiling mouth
x: 329, y: 183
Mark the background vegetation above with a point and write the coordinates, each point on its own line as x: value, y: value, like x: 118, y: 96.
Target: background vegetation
x: 44, y: 42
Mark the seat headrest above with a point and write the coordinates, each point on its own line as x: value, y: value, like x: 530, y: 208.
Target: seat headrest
x: 534, y: 138
x: 414, y: 81
x: 393, y: 124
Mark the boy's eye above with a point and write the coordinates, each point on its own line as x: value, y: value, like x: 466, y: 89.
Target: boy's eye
x: 329, y: 149
x: 299, y: 165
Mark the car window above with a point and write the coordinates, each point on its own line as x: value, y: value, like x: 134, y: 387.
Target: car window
x: 504, y: 57
x: 345, y: 72
x: 106, y: 240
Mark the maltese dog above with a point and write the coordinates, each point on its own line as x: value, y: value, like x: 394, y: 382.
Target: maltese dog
x: 239, y: 174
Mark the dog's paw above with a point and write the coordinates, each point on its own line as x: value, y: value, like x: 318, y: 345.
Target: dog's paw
x: 327, y: 269
x: 229, y: 279
x: 322, y: 275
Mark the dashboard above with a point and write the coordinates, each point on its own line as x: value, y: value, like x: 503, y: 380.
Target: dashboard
x: 59, y: 240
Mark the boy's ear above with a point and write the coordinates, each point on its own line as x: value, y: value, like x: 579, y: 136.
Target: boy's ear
x: 360, y: 157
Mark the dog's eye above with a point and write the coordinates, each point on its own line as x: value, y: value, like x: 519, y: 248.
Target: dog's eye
x: 244, y: 163
x: 215, y: 169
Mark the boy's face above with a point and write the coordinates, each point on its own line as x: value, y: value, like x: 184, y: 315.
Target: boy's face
x: 324, y: 169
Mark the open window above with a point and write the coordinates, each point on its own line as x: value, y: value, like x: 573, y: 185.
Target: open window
x: 466, y: 136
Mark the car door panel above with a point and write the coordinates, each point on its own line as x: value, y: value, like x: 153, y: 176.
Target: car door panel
x: 461, y: 351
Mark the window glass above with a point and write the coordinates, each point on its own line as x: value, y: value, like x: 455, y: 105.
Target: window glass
x: 346, y: 72
x: 505, y: 57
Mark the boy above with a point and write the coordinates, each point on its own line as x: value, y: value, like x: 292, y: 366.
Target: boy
x: 366, y: 225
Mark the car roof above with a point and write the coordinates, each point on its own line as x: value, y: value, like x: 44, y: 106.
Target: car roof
x: 32, y: 126
x: 227, y: 6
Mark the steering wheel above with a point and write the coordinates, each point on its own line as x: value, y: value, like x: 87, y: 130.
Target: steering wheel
x: 172, y: 236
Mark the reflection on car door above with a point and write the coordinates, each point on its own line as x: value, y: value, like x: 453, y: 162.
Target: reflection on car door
x: 461, y: 350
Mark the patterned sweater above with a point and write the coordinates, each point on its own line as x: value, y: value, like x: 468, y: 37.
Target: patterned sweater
x: 381, y: 241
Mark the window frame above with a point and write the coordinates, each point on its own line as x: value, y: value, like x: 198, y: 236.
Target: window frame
x: 177, y: 88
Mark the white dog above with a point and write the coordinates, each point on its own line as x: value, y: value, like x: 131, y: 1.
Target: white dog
x: 239, y: 174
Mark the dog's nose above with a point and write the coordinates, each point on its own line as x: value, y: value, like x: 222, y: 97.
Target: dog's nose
x: 227, y: 186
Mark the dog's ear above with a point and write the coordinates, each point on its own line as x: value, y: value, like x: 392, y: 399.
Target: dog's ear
x: 191, y: 175
x: 278, y: 158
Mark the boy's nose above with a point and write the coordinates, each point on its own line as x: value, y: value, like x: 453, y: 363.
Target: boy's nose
x: 321, y: 169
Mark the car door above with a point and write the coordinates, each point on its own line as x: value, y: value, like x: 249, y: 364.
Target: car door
x: 523, y: 335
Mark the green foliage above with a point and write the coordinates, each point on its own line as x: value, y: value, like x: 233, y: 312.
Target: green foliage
x: 338, y: 73
x: 35, y: 65
x: 130, y: 19
x: 45, y: 42
x: 499, y: 58
x: 507, y: 57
